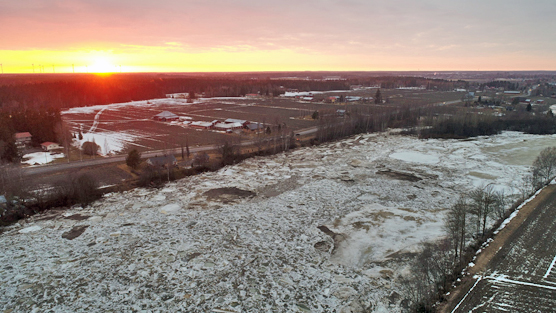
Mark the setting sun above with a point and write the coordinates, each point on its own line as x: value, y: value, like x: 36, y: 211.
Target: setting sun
x: 102, y: 65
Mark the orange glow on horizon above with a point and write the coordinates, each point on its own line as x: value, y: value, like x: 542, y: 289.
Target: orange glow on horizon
x: 164, y: 59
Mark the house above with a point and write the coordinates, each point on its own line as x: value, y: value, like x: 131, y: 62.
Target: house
x: 22, y: 139
x: 162, y: 161
x: 166, y: 116
x: 252, y: 95
x: 49, y: 146
x: 331, y: 99
x: 539, y: 101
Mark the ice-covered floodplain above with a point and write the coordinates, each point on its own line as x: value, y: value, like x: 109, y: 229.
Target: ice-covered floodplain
x: 319, y: 229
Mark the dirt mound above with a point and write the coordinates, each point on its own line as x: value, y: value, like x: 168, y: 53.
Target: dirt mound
x: 228, y: 194
x: 400, y: 175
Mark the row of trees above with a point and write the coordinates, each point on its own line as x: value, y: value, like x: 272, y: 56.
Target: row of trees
x: 466, y: 223
x: 439, y: 264
x: 355, y: 120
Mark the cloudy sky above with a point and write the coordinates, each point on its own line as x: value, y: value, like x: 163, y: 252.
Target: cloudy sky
x: 259, y: 35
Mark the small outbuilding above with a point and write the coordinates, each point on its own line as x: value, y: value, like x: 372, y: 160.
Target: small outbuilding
x: 166, y: 116
x: 49, y: 146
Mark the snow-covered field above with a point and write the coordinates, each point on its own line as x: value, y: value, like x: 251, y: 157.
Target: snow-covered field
x: 325, y: 231
x: 100, y: 128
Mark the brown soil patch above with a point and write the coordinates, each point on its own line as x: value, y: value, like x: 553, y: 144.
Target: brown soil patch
x: 228, y: 194
x: 400, y: 175
x: 75, y: 232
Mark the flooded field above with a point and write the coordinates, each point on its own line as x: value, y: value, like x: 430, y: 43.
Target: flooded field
x: 320, y: 229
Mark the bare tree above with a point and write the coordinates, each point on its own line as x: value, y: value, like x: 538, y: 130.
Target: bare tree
x: 201, y: 158
x: 12, y: 181
x: 64, y: 136
x: 455, y: 224
x: 483, y: 202
x: 544, y: 167
x: 499, y: 205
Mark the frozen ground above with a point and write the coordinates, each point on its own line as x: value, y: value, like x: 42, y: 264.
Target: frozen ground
x: 320, y: 229
x: 111, y: 142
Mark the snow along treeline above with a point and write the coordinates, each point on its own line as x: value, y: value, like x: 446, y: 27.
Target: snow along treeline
x: 318, y: 229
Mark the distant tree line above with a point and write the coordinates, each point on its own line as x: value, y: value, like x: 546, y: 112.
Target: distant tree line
x: 98, y: 90
x: 506, y: 85
x: 469, y: 124
x: 337, y: 124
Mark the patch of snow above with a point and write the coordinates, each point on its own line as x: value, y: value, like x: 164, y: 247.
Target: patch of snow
x: 30, y: 229
x: 41, y: 157
x: 411, y: 156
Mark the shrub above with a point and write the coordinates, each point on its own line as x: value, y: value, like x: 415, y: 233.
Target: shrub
x: 90, y: 148
x: 85, y: 189
x: 133, y: 159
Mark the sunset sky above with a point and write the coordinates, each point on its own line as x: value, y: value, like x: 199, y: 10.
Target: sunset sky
x: 286, y: 35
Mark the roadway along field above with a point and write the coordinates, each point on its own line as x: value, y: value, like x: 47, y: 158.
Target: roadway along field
x: 39, y: 170
x: 521, y: 276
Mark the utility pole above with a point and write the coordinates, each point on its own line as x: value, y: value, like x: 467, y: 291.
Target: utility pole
x: 73, y: 68
x: 120, y: 68
x: 53, y: 70
x: 2, y: 67
x: 33, y: 65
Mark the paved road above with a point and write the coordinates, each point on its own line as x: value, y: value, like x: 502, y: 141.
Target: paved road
x: 46, y: 169
x: 521, y: 277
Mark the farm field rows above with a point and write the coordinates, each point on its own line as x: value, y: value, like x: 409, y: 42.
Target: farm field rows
x: 521, y: 277
x: 119, y: 127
